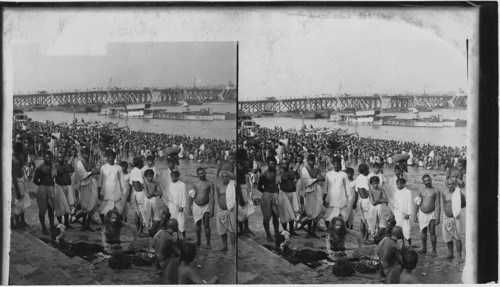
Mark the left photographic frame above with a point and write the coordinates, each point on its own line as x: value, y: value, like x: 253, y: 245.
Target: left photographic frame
x: 118, y: 149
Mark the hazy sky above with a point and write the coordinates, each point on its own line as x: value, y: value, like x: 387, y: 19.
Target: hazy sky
x: 128, y: 64
x: 283, y: 51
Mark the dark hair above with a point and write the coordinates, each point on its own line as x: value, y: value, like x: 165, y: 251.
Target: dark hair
x: 398, y: 167
x: 124, y: 164
x: 271, y: 159
x: 175, y: 173
x: 363, y: 168
x: 18, y: 147
x: 199, y: 169
x: 336, y: 159
x: 349, y: 170
x: 426, y: 175
x: 149, y: 172
x: 337, y: 236
x: 108, y: 227
x: 374, y: 179
x: 48, y: 153
x: 401, y: 180
x: 150, y: 157
x: 311, y: 156
x: 410, y: 259
x: 188, y: 251
x: 137, y: 161
x: 376, y: 164
x: 111, y: 153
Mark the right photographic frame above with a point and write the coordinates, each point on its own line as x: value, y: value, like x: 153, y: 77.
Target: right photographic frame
x: 357, y: 146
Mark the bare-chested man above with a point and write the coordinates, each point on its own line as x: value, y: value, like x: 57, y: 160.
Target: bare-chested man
x: 228, y: 164
x: 201, y: 203
x: 457, y: 173
x: 453, y: 202
x: 428, y: 213
x: 226, y: 216
x: 389, y: 256
x: 269, y: 202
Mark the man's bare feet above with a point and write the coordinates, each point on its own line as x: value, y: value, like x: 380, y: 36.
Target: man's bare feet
x: 270, y: 238
x: 198, y: 243
x: 422, y: 251
x: 208, y: 246
x: 45, y: 232
x: 224, y: 248
x: 450, y: 256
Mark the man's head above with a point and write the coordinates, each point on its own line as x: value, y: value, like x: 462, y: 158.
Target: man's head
x: 171, y: 163
x: 400, y: 183
x: 201, y: 173
x: 350, y: 173
x: 374, y: 182
x: 410, y: 259
x: 285, y: 164
x: 138, y: 162
x: 47, y: 157
x: 150, y: 160
x: 173, y: 225
x: 398, y: 171
x: 363, y: 169
x: 113, y: 219
x: 111, y: 157
x: 18, y: 147
x: 225, y: 176
x: 124, y: 165
x: 188, y: 251
x: 376, y: 168
x: 149, y: 174
x: 337, y: 163
x: 175, y: 176
x: 271, y: 163
x: 311, y: 160
x: 397, y: 232
x: 427, y: 180
x: 165, y: 217
x: 451, y: 183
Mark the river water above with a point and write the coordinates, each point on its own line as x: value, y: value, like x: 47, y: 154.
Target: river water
x: 448, y: 136
x: 225, y: 130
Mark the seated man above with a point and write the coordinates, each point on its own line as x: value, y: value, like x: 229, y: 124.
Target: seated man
x: 389, y: 256
x: 410, y: 260
x: 165, y: 244
x: 186, y: 273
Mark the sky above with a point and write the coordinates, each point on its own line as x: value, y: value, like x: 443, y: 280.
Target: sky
x: 127, y: 65
x: 283, y: 52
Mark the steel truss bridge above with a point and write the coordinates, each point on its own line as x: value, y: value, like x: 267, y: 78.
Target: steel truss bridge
x: 336, y: 103
x: 134, y: 96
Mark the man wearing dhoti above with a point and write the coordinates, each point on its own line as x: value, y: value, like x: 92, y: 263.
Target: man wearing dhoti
x: 336, y: 187
x: 310, y: 188
x: 427, y: 212
x: 244, y: 186
x: 111, y: 186
x: 87, y: 187
x: 20, y: 197
x: 403, y: 204
x: 63, y: 190
x: 226, y: 214
x: 177, y: 200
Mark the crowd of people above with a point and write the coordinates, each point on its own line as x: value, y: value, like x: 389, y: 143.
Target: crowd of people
x: 86, y: 171
x: 297, y: 193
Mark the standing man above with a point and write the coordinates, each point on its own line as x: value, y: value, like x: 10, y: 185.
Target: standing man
x: 43, y: 178
x: 63, y: 190
x: 337, y: 187
x: 310, y: 177
x: 453, y: 202
x: 110, y: 185
x: 87, y: 187
x: 269, y: 202
x: 361, y: 198
x: 403, y: 208
x: 428, y: 213
x: 226, y: 215
x: 20, y: 197
x: 201, y: 205
x: 287, y: 185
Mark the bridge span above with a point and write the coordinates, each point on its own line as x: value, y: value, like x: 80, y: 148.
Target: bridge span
x: 336, y: 103
x: 131, y: 96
